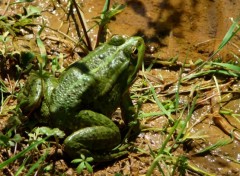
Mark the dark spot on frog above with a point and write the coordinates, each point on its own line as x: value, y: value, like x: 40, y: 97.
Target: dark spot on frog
x: 81, y: 66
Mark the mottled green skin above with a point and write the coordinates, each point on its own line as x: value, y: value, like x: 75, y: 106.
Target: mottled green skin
x: 86, y: 94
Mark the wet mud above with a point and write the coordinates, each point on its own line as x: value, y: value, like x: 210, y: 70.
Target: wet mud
x: 189, y: 29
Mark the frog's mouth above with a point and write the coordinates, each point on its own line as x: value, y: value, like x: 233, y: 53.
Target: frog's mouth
x: 133, y: 70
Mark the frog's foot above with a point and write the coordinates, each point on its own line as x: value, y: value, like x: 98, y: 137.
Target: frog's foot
x: 134, y: 127
x: 75, y: 150
x: 108, y: 156
x: 97, y: 133
x: 130, y: 116
x: 100, y: 156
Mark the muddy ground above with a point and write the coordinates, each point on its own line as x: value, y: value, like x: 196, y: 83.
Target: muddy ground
x: 188, y: 30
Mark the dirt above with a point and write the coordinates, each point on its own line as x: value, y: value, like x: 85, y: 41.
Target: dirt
x: 189, y: 30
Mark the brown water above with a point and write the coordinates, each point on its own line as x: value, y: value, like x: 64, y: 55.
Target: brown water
x: 190, y: 29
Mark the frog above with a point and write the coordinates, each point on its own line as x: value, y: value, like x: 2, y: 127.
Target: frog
x: 82, y: 99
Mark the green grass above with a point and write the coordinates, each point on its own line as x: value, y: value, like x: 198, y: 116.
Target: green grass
x: 180, y: 125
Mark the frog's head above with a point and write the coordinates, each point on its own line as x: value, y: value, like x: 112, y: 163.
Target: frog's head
x: 131, y: 51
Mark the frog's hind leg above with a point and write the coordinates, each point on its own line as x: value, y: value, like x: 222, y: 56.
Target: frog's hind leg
x: 97, y: 133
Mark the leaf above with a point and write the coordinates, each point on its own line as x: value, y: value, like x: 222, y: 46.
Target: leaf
x: 208, y: 72
x: 83, y: 156
x: 21, y: 23
x: 55, y: 63
x: 33, y: 11
x: 17, y: 138
x: 107, y: 16
x: 80, y: 168
x: 19, y: 1
x: 23, y: 152
x: 4, y: 140
x: 158, y: 102
x: 22, y: 167
x: 219, y: 143
x: 228, y: 66
x: 231, y: 32
x: 50, y: 132
x: 76, y: 161
x: 37, y: 164
x: 27, y: 57
x: 89, y: 167
x: 43, y: 58
x: 89, y: 159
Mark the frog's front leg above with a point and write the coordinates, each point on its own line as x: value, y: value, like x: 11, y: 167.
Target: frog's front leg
x: 30, y: 96
x: 97, y: 134
x: 129, y: 114
x: 36, y: 93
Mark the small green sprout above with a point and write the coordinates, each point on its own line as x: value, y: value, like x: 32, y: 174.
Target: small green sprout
x: 83, y: 164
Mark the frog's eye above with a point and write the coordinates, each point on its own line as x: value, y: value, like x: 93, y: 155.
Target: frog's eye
x: 117, y: 40
x: 134, y: 52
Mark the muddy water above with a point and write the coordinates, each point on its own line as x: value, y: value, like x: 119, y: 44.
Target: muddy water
x: 189, y: 29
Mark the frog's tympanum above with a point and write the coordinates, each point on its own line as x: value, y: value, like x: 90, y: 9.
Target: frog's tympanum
x: 83, y: 98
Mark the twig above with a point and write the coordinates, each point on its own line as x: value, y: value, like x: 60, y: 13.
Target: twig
x: 5, y: 10
x: 89, y: 45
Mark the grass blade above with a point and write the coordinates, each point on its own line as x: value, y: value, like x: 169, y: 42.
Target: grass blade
x: 20, y: 169
x: 37, y: 164
x: 219, y: 143
x: 227, y: 66
x: 231, y: 32
x: 160, y: 105
x: 32, y: 146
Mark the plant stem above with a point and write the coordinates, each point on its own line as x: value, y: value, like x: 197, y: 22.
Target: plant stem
x: 101, y: 27
x: 89, y: 45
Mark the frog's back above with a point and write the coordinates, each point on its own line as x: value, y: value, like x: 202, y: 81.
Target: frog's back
x: 81, y: 84
x: 98, y: 81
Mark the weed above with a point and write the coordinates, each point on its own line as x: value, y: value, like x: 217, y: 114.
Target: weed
x: 179, y: 131
x: 83, y: 164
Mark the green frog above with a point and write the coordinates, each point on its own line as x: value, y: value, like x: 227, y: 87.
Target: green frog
x: 86, y: 94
